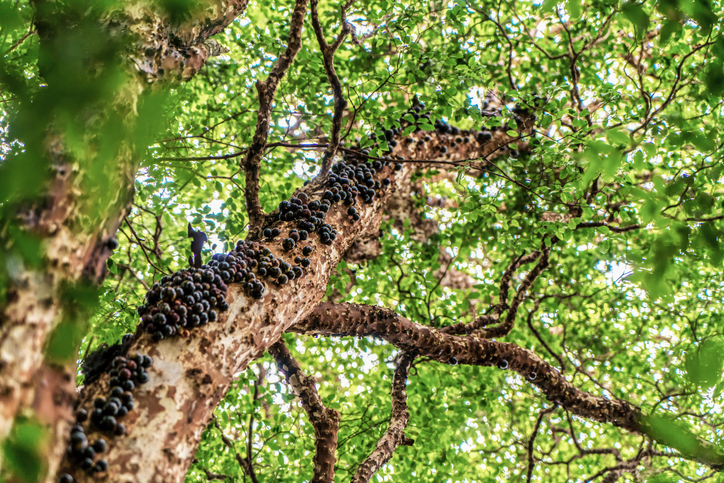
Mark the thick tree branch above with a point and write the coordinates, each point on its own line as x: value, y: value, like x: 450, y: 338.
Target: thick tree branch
x: 191, y: 373
x: 395, y: 434
x: 361, y: 320
x: 339, y: 101
x: 74, y: 250
x: 267, y: 90
x: 324, y: 420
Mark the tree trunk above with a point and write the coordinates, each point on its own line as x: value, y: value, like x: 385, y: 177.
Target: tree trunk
x: 74, y: 253
x: 191, y: 374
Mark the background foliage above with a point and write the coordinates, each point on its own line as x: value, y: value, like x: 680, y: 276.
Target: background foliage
x: 628, y: 97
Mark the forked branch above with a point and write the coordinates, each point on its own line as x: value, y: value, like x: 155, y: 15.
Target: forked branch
x: 340, y: 103
x: 506, y: 326
x: 244, y: 463
x: 478, y: 326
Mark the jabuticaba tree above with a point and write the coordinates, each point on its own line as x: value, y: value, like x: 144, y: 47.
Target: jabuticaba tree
x: 363, y: 154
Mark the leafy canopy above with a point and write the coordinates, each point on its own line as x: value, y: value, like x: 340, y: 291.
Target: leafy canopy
x: 628, y: 134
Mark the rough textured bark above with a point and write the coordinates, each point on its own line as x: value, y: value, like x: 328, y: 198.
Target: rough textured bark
x: 324, y: 420
x: 193, y: 374
x: 395, y: 434
x: 74, y: 253
x: 361, y: 320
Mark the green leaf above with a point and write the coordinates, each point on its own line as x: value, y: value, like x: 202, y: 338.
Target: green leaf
x: 23, y: 450
x: 637, y: 16
x: 574, y: 8
x: 704, y: 363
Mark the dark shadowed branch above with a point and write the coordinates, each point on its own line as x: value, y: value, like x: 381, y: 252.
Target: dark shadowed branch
x: 361, y: 320
x: 506, y: 326
x: 507, y: 277
x: 395, y: 434
x: 266, y: 90
x: 339, y: 101
x: 324, y: 420
x: 613, y: 228
x: 244, y: 463
x: 478, y: 325
x: 534, y: 434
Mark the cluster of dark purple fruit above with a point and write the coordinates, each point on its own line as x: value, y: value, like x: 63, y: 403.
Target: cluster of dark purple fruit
x: 417, y: 114
x: 309, y: 216
x: 126, y: 373
x: 189, y: 298
x: 267, y: 265
x: 359, y: 177
x: 348, y: 182
x: 411, y: 117
x: 464, y: 136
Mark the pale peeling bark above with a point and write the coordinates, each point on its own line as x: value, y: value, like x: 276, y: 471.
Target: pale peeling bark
x: 74, y: 253
x: 163, y: 52
x: 395, y: 434
x: 361, y: 320
x: 324, y: 420
x: 191, y: 375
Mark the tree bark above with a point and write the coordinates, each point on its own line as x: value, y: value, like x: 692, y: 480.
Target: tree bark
x: 324, y: 420
x: 192, y: 374
x: 395, y: 434
x: 75, y: 253
x: 361, y: 320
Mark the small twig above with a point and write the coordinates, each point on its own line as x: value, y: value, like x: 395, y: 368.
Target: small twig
x: 540, y: 338
x: 214, y: 476
x: 250, y: 435
x: 143, y: 248
x: 531, y: 441
x: 243, y: 463
x: 613, y: 228
x: 127, y: 268
x: 19, y: 42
